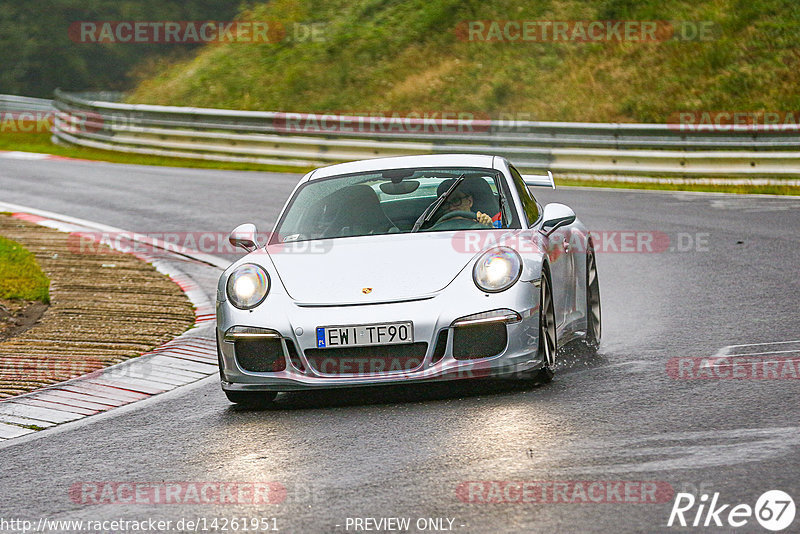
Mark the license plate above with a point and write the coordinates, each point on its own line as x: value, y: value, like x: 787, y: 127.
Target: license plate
x: 365, y: 335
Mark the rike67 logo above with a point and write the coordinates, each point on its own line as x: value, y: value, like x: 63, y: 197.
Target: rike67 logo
x: 774, y: 510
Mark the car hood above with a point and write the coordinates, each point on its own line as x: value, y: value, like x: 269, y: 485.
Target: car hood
x: 369, y: 269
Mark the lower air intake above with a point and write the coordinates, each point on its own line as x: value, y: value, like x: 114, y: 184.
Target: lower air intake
x: 260, y: 355
x: 479, y: 341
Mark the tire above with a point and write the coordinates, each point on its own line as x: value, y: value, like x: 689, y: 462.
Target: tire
x: 548, y: 342
x: 251, y: 398
x: 593, y: 313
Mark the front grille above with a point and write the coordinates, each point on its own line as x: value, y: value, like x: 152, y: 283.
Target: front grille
x: 366, y: 361
x: 479, y: 341
x: 260, y: 355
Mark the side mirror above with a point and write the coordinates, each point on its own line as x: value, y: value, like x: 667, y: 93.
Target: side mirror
x: 555, y: 216
x: 244, y: 236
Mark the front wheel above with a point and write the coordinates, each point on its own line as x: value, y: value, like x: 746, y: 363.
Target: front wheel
x: 251, y: 398
x: 548, y: 343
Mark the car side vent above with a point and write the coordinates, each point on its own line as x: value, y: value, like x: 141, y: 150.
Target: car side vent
x: 294, y: 357
x: 441, y: 346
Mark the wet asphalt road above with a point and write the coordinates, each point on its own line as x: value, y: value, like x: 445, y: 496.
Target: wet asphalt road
x: 404, y: 452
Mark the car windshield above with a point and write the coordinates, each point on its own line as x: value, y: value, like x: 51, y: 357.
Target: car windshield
x: 392, y: 201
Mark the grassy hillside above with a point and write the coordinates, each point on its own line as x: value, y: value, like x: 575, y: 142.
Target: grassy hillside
x: 406, y: 55
x: 38, y: 53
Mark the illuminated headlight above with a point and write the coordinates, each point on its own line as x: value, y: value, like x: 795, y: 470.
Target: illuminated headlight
x: 497, y: 269
x: 247, y: 286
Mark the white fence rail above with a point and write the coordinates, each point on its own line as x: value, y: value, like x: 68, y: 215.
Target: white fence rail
x: 23, y: 104
x: 295, y: 139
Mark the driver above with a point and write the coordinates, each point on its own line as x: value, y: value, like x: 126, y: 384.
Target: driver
x: 459, y: 205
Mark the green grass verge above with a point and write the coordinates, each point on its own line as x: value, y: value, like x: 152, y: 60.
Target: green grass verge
x: 741, y: 189
x: 20, y: 275
x: 40, y: 142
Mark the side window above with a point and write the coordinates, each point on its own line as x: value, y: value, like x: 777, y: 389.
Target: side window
x: 528, y: 202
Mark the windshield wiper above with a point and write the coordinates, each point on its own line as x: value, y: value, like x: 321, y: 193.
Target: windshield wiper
x: 431, y: 209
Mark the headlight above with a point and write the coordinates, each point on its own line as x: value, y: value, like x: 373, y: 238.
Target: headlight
x: 497, y: 269
x: 247, y: 286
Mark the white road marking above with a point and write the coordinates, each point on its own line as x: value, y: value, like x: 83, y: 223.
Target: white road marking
x: 762, y: 353
x: 755, y: 205
x: 729, y: 351
x: 677, y: 180
x: 760, y: 344
x: 24, y: 155
x: 699, y: 449
x: 731, y: 365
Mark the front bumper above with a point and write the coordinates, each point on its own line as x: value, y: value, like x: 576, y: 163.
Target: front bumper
x: 296, y: 327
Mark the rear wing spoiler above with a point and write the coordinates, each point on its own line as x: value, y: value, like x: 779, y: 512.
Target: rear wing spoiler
x: 538, y: 180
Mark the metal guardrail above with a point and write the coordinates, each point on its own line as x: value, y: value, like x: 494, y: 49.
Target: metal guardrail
x: 17, y: 104
x: 305, y: 140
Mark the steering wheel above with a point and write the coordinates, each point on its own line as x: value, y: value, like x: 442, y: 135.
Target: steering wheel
x: 458, y: 213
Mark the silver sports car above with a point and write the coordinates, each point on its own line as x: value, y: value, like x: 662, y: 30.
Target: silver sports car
x: 414, y: 268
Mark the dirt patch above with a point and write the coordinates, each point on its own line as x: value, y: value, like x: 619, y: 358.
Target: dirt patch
x: 105, y: 307
x: 16, y: 316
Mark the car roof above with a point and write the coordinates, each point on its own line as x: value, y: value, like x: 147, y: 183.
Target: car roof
x: 404, y: 162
